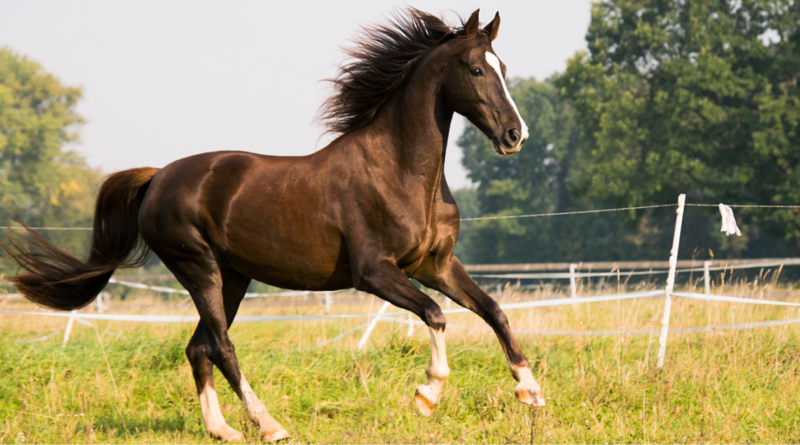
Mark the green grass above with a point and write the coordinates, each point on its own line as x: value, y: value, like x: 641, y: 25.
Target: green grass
x: 729, y: 386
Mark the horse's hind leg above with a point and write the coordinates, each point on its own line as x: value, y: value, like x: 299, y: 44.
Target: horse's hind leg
x: 234, y: 287
x: 203, y: 372
x: 217, y: 295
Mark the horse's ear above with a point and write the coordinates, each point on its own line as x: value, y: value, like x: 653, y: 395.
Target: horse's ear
x: 472, y: 24
x: 493, y: 27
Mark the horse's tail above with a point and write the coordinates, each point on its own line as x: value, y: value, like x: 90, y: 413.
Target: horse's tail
x: 57, y: 279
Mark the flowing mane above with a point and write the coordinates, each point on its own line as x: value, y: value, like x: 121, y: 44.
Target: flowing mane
x: 383, y: 56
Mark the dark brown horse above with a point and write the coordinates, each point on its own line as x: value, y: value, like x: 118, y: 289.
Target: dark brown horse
x: 369, y: 211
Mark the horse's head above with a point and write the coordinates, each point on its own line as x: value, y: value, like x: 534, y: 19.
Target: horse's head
x: 474, y: 86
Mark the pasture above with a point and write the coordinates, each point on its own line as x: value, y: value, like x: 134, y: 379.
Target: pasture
x: 737, y: 386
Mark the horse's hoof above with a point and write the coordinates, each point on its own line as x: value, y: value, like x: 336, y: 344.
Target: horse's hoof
x: 275, y: 436
x: 530, y: 396
x: 424, y: 405
x: 229, y: 435
x: 236, y: 439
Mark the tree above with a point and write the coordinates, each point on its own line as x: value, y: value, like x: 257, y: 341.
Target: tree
x: 41, y: 183
x: 696, y: 97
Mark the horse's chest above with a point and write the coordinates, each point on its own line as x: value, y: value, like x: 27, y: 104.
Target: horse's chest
x: 435, y: 239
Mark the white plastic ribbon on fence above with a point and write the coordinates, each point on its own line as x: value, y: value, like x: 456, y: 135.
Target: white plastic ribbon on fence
x: 260, y: 318
x: 564, y: 275
x: 144, y: 318
x: 724, y: 298
x: 509, y: 306
x: 603, y: 332
x: 728, y: 221
x: 570, y: 300
x: 169, y: 290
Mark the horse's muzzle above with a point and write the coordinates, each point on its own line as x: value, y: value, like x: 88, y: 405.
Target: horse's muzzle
x: 509, y: 143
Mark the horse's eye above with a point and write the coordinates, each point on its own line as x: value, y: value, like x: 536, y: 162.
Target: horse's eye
x: 477, y: 72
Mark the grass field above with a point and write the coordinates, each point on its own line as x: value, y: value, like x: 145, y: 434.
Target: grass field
x: 726, y: 386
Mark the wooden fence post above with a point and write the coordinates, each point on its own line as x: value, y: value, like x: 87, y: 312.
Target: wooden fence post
x: 673, y: 262
x: 707, y: 277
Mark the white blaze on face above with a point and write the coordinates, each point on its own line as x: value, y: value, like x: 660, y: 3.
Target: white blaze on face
x: 494, y: 62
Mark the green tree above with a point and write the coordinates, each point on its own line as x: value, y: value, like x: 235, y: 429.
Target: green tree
x: 696, y: 97
x: 41, y: 183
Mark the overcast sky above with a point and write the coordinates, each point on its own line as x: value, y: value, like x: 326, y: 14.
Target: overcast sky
x: 165, y: 80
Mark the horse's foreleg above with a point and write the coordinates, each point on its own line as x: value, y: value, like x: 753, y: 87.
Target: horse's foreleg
x: 428, y: 394
x: 455, y: 282
x: 389, y: 283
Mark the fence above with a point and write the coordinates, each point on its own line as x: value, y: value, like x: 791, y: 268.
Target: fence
x: 669, y: 267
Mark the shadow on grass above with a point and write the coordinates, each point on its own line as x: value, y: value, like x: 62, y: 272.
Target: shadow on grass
x: 174, y: 424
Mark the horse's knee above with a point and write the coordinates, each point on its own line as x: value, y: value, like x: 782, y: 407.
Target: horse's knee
x: 500, y: 316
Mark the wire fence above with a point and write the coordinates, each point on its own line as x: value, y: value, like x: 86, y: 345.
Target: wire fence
x: 531, y: 215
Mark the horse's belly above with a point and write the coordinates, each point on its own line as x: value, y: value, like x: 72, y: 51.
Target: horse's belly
x: 301, y: 263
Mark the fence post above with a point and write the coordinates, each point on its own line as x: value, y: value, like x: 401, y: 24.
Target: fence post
x: 673, y: 263
x: 706, y: 276
x: 371, y: 325
x: 410, y: 325
x: 68, y: 331
x: 573, y: 290
x: 99, y: 304
x: 327, y: 302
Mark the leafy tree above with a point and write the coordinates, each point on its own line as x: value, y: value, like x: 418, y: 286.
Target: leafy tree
x: 696, y: 97
x: 41, y: 184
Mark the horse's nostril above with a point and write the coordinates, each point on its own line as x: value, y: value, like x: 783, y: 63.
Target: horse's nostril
x: 513, y: 136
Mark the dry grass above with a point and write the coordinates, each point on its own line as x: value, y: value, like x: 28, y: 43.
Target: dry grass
x: 724, y: 386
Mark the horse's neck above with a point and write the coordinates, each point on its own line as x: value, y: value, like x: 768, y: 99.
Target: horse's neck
x: 414, y: 126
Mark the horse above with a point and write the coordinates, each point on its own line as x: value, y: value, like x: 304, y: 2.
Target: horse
x: 370, y: 211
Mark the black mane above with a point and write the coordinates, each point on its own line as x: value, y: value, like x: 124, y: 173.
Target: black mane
x: 383, y: 56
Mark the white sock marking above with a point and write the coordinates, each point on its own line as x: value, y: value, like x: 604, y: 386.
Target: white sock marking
x: 494, y: 62
x: 527, y: 384
x: 270, y: 428
x: 212, y: 416
x: 437, y: 370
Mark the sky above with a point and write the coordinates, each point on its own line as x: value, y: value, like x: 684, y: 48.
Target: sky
x: 165, y: 80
